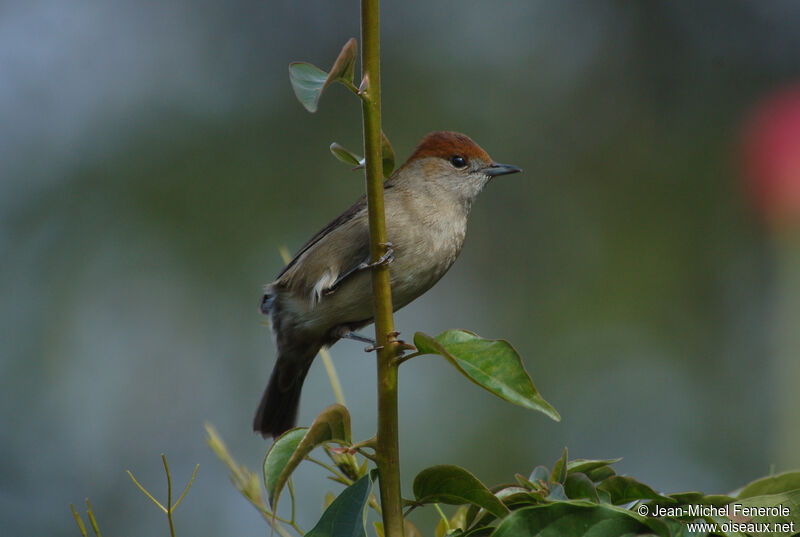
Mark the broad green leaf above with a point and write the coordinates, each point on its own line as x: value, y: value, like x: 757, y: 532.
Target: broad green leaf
x: 491, y: 364
x: 345, y: 155
x: 576, y: 519
x: 600, y: 474
x: 278, y: 456
x: 771, y: 485
x: 783, y: 509
x: 624, y: 489
x: 309, y: 81
x: 559, y: 473
x: 585, y: 465
x: 455, y: 486
x: 577, y: 486
x: 388, y: 155
x: 331, y: 425
x: 344, y: 517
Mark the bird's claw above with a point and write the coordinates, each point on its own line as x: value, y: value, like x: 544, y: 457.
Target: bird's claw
x: 385, y: 259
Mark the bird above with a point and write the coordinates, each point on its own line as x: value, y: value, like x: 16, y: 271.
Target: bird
x: 325, y: 292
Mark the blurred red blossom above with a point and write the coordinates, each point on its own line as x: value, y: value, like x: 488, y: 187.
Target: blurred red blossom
x: 772, y: 155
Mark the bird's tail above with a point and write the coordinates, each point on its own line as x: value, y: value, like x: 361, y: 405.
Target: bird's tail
x: 277, y: 411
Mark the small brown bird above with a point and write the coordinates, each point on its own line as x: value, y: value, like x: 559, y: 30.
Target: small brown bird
x: 325, y: 292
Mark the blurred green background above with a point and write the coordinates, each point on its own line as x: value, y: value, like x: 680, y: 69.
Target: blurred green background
x: 153, y: 159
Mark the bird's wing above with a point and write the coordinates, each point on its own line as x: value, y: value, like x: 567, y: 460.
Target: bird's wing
x: 328, y: 258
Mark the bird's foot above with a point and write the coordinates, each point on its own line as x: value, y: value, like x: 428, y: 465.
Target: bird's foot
x: 385, y: 259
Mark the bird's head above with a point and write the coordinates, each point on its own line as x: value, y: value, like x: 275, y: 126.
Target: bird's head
x: 453, y: 162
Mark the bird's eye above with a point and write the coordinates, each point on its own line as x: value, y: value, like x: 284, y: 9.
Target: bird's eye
x: 458, y: 161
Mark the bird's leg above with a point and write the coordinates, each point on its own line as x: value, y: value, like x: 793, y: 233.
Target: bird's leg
x: 343, y: 332
x: 358, y: 337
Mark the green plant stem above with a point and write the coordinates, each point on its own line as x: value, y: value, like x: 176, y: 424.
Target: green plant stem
x: 387, y: 452
x: 341, y: 477
x: 169, y: 496
x: 78, y: 520
x: 333, y: 377
x: 444, y: 518
x: 92, y: 520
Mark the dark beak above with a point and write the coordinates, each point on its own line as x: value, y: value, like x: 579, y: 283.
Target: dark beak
x: 494, y: 169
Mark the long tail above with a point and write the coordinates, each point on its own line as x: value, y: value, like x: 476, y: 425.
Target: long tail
x: 277, y: 411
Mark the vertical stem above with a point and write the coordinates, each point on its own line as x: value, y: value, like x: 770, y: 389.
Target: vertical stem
x: 387, y: 453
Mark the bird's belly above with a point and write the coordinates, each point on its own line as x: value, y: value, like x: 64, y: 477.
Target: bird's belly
x: 419, y: 262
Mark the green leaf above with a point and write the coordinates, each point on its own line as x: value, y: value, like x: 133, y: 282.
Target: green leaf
x: 348, y: 157
x: 624, y: 489
x: 332, y: 425
x: 345, y: 516
x: 540, y: 473
x: 586, y: 465
x: 387, y: 155
x: 600, y: 474
x: 557, y: 493
x: 491, y: 364
x: 513, y: 497
x: 684, y: 498
x: 309, y: 81
x: 455, y: 486
x: 559, y: 473
x: 771, y: 485
x: 789, y: 518
x: 578, y: 486
x: 525, y: 482
x: 278, y: 456
x: 345, y: 155
x: 344, y: 66
x: 576, y: 519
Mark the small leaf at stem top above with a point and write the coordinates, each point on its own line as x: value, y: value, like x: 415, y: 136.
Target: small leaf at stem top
x: 309, y: 81
x: 494, y: 365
